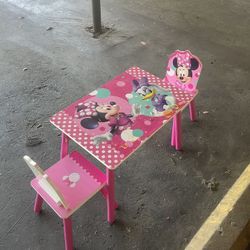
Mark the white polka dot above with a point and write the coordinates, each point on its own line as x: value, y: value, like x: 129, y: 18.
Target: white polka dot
x: 93, y: 93
x: 129, y: 96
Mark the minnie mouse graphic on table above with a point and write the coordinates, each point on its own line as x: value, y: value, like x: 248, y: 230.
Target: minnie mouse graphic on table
x: 104, y: 120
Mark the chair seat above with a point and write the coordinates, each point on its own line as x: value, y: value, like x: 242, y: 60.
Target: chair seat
x: 76, y: 178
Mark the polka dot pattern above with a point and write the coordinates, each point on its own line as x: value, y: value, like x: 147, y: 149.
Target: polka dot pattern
x: 180, y: 94
x: 120, y: 84
x: 86, y: 109
x: 109, y: 156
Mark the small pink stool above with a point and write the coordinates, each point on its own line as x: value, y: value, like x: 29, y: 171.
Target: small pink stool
x: 65, y: 187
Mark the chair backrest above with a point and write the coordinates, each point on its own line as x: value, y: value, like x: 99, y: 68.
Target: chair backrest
x: 183, y: 70
x: 45, y: 182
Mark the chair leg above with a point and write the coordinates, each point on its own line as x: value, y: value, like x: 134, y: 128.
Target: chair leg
x: 110, y: 195
x: 64, y: 145
x: 177, y: 125
x: 192, y: 111
x: 173, y: 134
x: 38, y: 204
x: 67, y: 229
x: 105, y: 195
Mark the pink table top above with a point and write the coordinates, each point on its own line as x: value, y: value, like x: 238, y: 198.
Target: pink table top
x: 115, y: 120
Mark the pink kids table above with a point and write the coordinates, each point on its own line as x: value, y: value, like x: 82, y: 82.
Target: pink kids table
x: 113, y: 121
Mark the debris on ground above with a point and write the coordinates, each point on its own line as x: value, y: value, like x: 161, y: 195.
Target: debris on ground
x: 211, y: 184
x: 199, y: 153
x: 34, y: 138
x: 49, y: 28
x: 228, y: 172
x: 220, y: 230
x: 39, y: 125
x: 173, y: 160
x: 233, y: 223
x: 143, y: 43
x: 24, y: 69
x: 42, y: 86
x: 185, y: 239
x: 128, y: 229
x: 205, y: 112
x: 139, y: 209
x: 34, y: 135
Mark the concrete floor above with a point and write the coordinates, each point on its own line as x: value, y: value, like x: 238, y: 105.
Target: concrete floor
x: 162, y: 201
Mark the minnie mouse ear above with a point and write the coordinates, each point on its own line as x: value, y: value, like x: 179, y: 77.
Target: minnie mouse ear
x: 175, y: 63
x: 144, y: 81
x: 194, y: 64
x: 135, y: 85
x: 89, y: 123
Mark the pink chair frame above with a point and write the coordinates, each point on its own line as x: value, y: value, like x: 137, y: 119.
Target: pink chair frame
x: 182, y: 60
x: 108, y: 192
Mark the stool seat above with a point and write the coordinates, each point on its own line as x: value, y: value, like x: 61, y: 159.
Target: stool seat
x: 76, y: 178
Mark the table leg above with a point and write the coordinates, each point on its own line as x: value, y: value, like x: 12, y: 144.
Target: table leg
x: 192, y: 111
x: 105, y: 195
x: 38, y: 204
x: 110, y: 195
x: 68, y: 237
x: 177, y: 125
x: 64, y: 145
x: 173, y: 133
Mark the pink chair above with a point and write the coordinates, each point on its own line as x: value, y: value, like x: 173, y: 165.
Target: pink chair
x: 183, y: 71
x: 65, y: 187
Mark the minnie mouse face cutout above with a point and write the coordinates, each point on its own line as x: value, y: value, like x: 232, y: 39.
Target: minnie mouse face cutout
x: 183, y: 70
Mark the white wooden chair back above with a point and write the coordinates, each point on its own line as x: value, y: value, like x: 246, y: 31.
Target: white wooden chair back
x: 45, y: 182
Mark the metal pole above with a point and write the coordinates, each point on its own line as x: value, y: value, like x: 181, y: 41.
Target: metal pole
x: 96, y: 10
